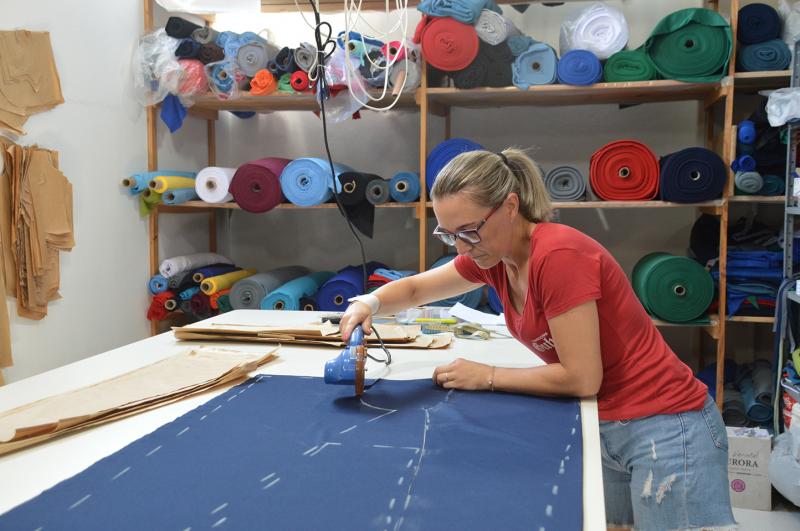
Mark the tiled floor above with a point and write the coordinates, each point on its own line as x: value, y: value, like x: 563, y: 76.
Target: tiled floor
x: 784, y: 517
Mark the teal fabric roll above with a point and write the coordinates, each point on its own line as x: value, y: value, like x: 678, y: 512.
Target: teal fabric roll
x: 247, y: 293
x: 289, y: 295
x: 764, y: 56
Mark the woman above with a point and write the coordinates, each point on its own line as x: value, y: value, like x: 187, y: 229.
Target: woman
x: 663, y: 443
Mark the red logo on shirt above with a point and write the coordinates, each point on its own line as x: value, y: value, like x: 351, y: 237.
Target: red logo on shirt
x: 543, y: 343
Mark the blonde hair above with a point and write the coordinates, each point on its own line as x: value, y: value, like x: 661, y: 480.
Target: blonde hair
x: 487, y: 178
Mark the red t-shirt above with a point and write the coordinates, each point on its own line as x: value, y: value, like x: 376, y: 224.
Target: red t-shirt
x: 642, y: 376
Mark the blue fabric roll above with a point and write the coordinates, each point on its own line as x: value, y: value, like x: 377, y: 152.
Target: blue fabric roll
x: 444, y: 153
x: 357, y: 37
x: 187, y: 294
x: 470, y: 298
x: 709, y: 375
x: 538, y: 65
x: 225, y: 36
x: 187, y: 49
x: 579, y: 67
x: 757, y: 411
x: 179, y: 195
x: 222, y: 77
x: 307, y: 181
x: 745, y: 149
x: 764, y: 56
x: 494, y: 301
x: 773, y: 185
x: 466, y: 11
x: 744, y: 163
x: 157, y: 284
x: 394, y: 274
x: 692, y: 175
x: 289, y: 295
x: 348, y: 282
x: 758, y: 23
x: 137, y: 183
x: 404, y: 187
x: 519, y: 43
x: 746, y: 132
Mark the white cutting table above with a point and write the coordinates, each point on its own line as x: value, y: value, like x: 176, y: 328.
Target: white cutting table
x: 25, y: 474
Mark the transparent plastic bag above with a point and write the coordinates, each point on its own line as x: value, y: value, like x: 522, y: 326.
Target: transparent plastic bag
x: 225, y: 80
x: 193, y: 81
x: 156, y: 71
x: 598, y: 28
x: 340, y: 107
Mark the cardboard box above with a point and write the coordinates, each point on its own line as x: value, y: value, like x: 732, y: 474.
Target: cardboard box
x: 748, y: 468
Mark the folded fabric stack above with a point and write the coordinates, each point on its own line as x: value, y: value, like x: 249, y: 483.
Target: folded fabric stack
x: 749, y: 392
x: 381, y: 277
x: 759, y: 36
x: 760, y: 163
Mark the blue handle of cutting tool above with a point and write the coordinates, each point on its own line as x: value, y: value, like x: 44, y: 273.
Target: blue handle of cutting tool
x: 341, y: 370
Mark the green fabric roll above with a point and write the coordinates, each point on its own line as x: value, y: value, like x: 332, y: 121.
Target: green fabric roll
x: 692, y: 45
x: 224, y: 303
x: 629, y: 65
x: 285, y: 83
x: 672, y: 288
x: 148, y: 201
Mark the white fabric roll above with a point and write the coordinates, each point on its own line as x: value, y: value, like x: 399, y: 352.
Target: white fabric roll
x: 494, y: 28
x: 598, y: 28
x: 178, y: 264
x: 212, y: 184
x: 412, y: 76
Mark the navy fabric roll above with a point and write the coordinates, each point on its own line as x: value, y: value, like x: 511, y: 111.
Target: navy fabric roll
x: 187, y: 49
x: 764, y: 56
x: 565, y: 183
x: 404, y: 187
x: 307, y: 181
x: 745, y: 149
x: 494, y: 301
x: 744, y: 163
x: 158, y: 284
x: 444, y: 153
x: 180, y: 28
x: 470, y: 298
x: 692, y: 175
x: 758, y: 23
x: 309, y: 304
x: 348, y: 282
x: 579, y: 67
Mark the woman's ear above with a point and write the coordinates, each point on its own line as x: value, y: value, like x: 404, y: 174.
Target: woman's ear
x: 512, y: 203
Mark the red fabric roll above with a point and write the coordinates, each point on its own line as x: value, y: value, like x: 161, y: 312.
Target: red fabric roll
x: 201, y: 305
x: 157, y: 312
x: 447, y: 44
x: 625, y: 170
x: 256, y: 185
x: 299, y: 81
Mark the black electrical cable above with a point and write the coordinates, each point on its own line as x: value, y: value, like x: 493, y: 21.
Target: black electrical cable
x: 322, y: 95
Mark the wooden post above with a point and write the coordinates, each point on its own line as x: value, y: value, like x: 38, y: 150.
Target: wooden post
x: 422, y: 208
x: 152, y: 163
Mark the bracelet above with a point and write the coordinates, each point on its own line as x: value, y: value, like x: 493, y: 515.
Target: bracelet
x: 370, y: 300
x: 491, y: 380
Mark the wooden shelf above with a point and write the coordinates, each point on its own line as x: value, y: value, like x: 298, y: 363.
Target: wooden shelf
x: 755, y: 81
x: 283, y: 102
x: 757, y: 199
x: 715, y: 205
x: 711, y: 328
x: 195, y: 206
x: 751, y: 319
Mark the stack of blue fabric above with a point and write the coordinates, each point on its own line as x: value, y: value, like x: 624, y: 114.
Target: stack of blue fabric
x: 760, y: 163
x: 760, y: 44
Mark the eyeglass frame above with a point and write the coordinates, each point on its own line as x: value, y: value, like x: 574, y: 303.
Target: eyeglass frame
x: 440, y: 232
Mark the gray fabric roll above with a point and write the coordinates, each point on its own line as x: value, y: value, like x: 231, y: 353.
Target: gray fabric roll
x: 749, y: 182
x: 304, y: 56
x: 565, y: 183
x: 252, y: 57
x: 248, y: 292
x: 205, y: 35
x: 378, y: 191
x: 174, y: 282
x: 733, y: 411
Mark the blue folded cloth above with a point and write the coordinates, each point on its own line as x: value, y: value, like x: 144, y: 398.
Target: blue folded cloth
x: 466, y: 11
x: 519, y: 43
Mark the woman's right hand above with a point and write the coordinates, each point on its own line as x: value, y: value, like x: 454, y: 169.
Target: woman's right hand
x: 358, y: 313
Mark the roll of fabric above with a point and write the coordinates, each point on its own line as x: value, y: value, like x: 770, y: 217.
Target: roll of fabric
x: 404, y: 187
x: 308, y: 182
x: 373, y: 68
x: 304, y: 56
x: 597, y: 28
x: 499, y: 59
x: 756, y: 410
x: 773, y: 185
x: 762, y: 377
x: 179, y: 195
x: 309, y: 304
x: 476, y: 74
x: 758, y: 23
x: 744, y: 163
x: 353, y: 196
x: 224, y: 303
x: 252, y: 57
x: 538, y: 65
x: 194, y: 81
x: 347, y: 283
x: 691, y: 45
x: 214, y: 270
x: 629, y: 65
x: 289, y: 295
x: 157, y: 310
x: 745, y: 149
x: 256, y: 185
x: 247, y: 294
x: 211, y: 285
x: 625, y: 170
x: 275, y: 69
x: 300, y: 81
x: 565, y: 183
x: 177, y: 264
x: 285, y: 60
x: 579, y: 67
x: 764, y: 56
x: 180, y: 28
x: 263, y: 83
x: 285, y: 83
x: 470, y: 298
x: 466, y: 11
x: 171, y: 304
x: 519, y: 43
x: 748, y: 182
x: 213, y: 184
x: 187, y: 49
x: 185, y: 307
x: 157, y: 284
x: 746, y: 132
x: 148, y: 201
x: 692, y: 175
x: 136, y: 183
x: 405, y: 74
x: 449, y: 45
x: 200, y: 305
x: 733, y: 411
x: 163, y: 183
x: 394, y: 51
x: 210, y: 53
x: 378, y: 191
x: 672, y: 288
x: 175, y: 280
x: 188, y: 293
x: 205, y: 35
x: 494, y: 301
x: 214, y: 299
x: 444, y: 153
x: 493, y: 27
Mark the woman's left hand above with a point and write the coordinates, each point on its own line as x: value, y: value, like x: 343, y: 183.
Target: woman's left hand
x: 463, y: 374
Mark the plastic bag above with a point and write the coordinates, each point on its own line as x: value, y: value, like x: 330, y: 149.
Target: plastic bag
x: 791, y: 22
x: 155, y: 68
x: 225, y: 79
x: 783, y: 106
x: 193, y: 81
x: 597, y: 28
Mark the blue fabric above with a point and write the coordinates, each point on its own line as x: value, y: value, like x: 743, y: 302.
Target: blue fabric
x: 187, y: 49
x: 285, y: 452
x: 709, y: 375
x: 222, y: 77
x: 746, y: 132
x: 537, y: 65
x: 764, y: 56
x: 215, y: 270
x: 519, y: 43
x: 470, y: 298
x: 357, y: 37
x: 157, y: 284
x: 744, y: 163
x: 579, y: 67
x: 773, y: 185
x: 494, y: 301
x: 444, y: 153
x: 757, y: 411
x: 692, y: 175
x: 173, y: 113
x: 307, y: 181
x: 758, y: 23
x: 289, y: 295
x: 393, y: 273
x: 187, y: 294
x: 466, y: 11
x: 179, y: 195
x: 244, y: 115
x: 141, y: 183
x: 225, y: 36
x: 348, y: 282
x: 412, y: 187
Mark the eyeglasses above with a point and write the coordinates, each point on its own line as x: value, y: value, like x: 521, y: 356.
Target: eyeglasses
x: 471, y: 236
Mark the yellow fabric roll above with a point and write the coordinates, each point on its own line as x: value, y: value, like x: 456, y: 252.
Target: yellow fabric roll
x: 163, y: 183
x: 212, y: 285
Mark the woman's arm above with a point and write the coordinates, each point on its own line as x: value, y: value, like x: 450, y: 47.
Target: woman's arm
x: 576, y: 334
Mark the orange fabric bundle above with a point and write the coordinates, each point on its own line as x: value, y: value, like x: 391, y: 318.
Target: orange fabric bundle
x: 215, y: 298
x: 263, y: 83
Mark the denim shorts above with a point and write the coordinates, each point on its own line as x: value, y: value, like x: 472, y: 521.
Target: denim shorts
x: 667, y: 471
